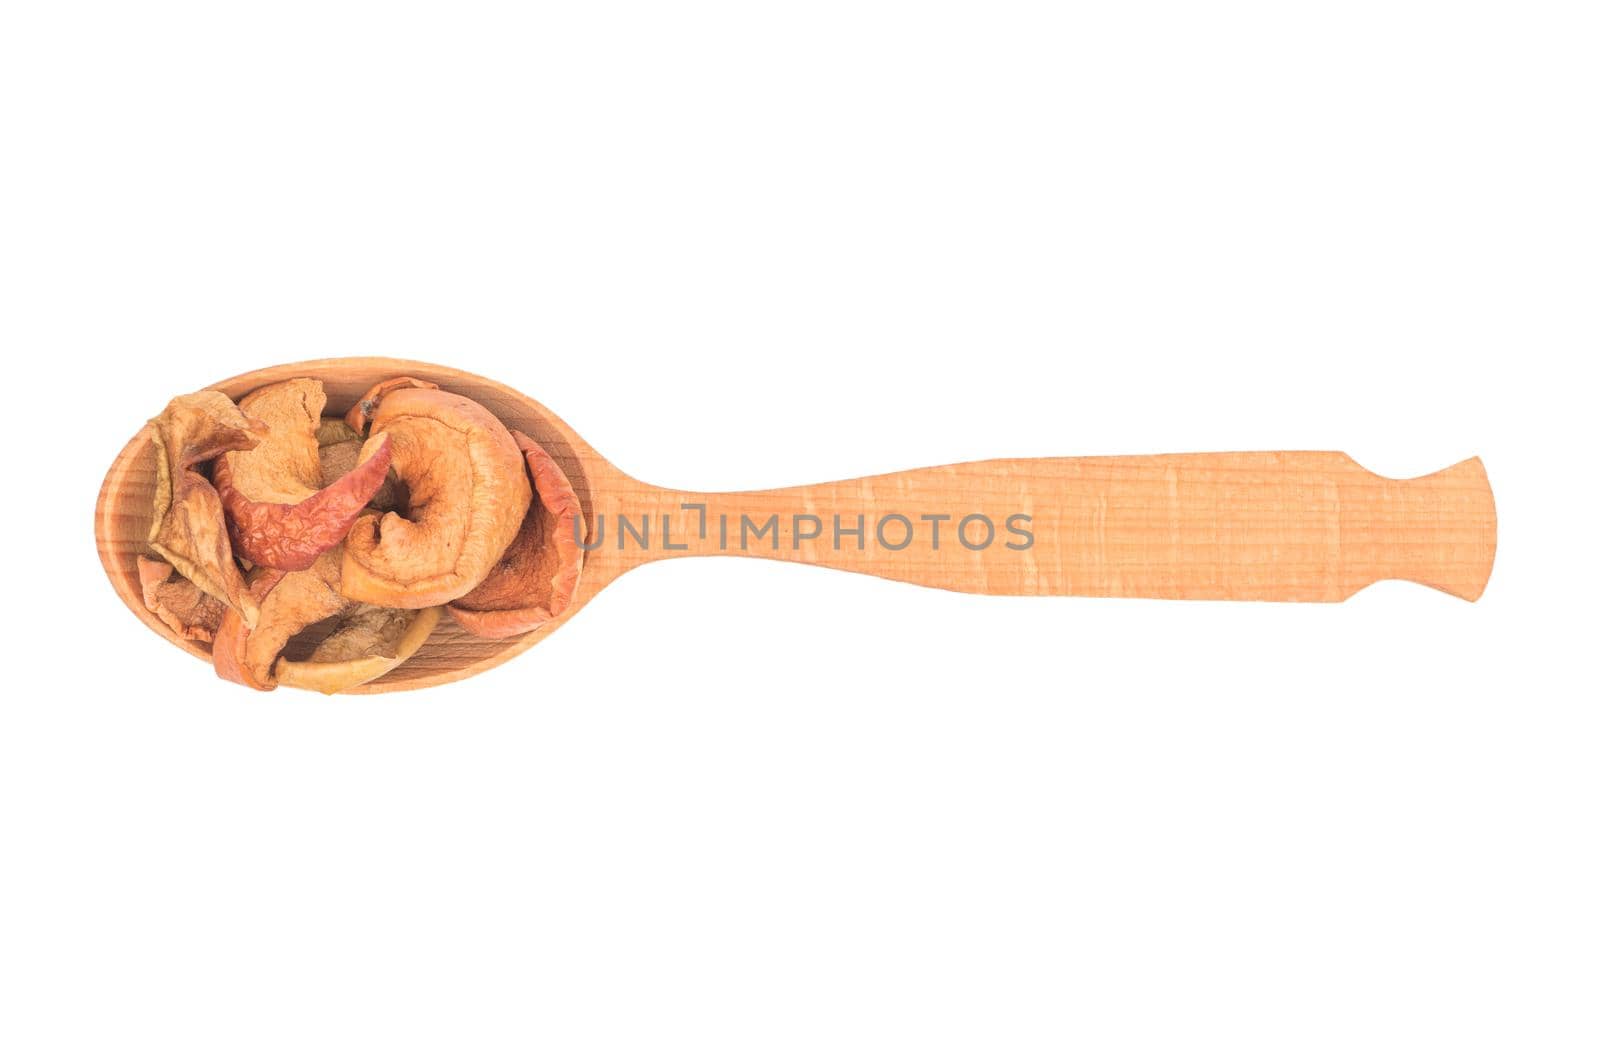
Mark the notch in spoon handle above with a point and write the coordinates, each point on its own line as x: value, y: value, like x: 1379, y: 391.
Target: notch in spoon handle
x: 1268, y: 526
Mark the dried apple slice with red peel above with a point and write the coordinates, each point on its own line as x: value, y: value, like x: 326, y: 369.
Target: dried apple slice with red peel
x: 466, y: 492
x: 535, y: 578
x: 291, y: 537
x: 339, y: 450
x: 277, y: 516
x: 187, y: 525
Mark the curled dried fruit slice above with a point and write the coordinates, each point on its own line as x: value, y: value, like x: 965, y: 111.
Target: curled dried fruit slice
x: 368, y: 643
x: 187, y: 526
x: 277, y: 516
x: 290, y: 537
x: 360, y: 415
x: 289, y: 602
x: 339, y: 449
x: 535, y: 578
x: 191, y: 612
x: 465, y: 494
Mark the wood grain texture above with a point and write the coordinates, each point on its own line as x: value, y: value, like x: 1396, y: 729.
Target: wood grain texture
x: 1263, y: 526
x: 1279, y: 526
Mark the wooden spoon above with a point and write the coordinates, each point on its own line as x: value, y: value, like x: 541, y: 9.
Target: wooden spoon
x: 1268, y: 526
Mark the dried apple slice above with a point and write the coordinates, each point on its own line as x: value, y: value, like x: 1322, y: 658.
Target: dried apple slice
x: 339, y: 450
x: 279, y: 514
x: 360, y: 415
x: 187, y: 525
x: 339, y: 460
x: 192, y: 613
x: 367, y: 644
x: 465, y: 492
x: 334, y: 430
x: 535, y: 578
x: 291, y: 537
x: 283, y: 467
x: 289, y: 602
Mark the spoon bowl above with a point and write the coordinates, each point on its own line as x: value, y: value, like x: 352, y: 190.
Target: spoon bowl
x: 1257, y: 526
x: 122, y: 514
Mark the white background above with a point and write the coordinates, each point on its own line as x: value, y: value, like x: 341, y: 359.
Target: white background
x: 743, y: 807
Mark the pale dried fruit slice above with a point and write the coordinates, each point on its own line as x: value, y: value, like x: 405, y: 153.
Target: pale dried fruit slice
x: 279, y: 513
x: 339, y: 459
x: 192, y: 613
x: 368, y: 643
x: 289, y: 602
x: 465, y: 492
x: 535, y: 578
x: 187, y: 525
x: 283, y: 467
x: 334, y: 430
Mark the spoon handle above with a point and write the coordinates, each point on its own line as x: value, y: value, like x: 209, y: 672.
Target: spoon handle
x: 1261, y: 526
